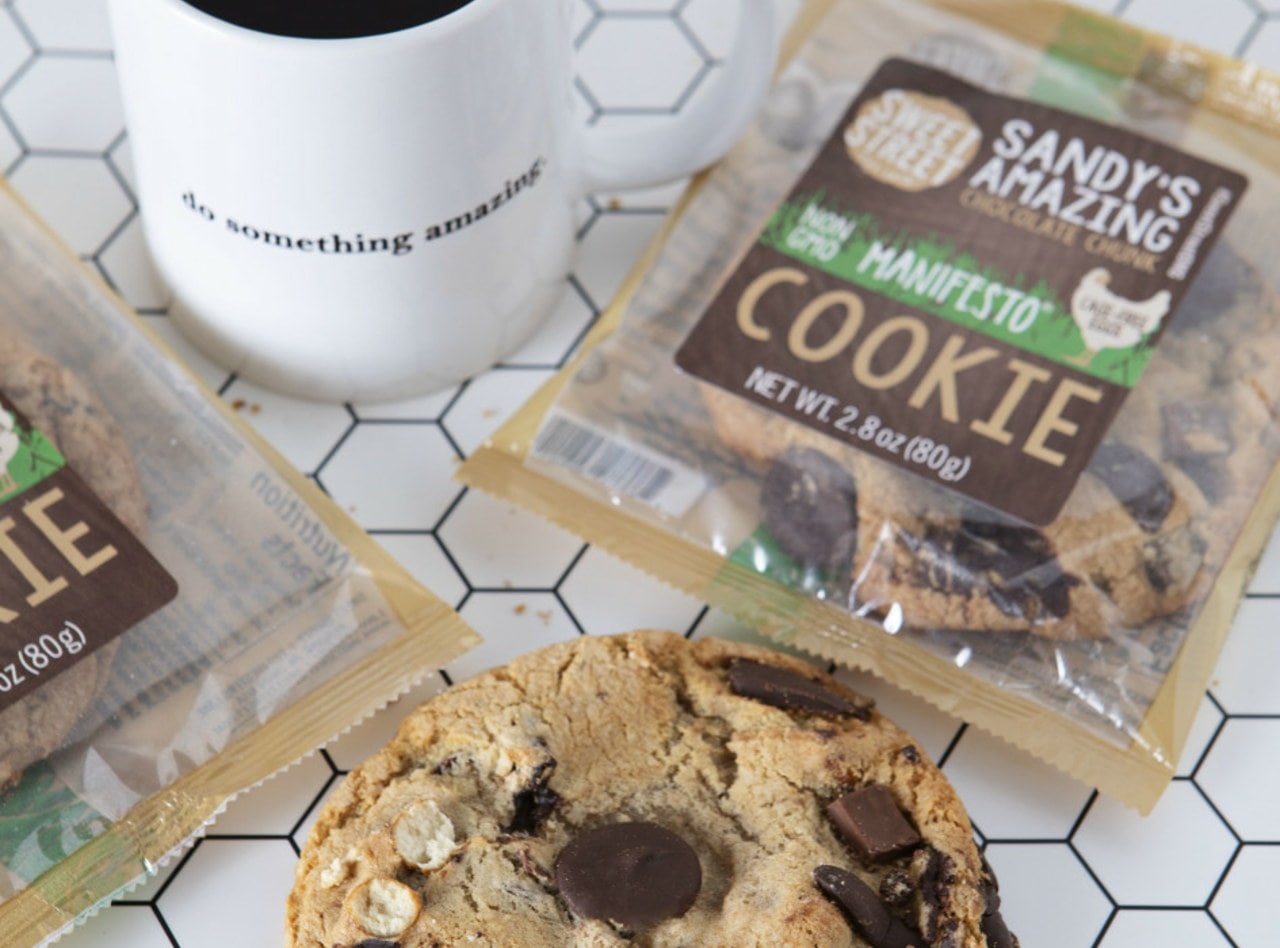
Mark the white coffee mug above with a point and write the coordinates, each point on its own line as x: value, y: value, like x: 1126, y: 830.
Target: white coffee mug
x: 373, y: 217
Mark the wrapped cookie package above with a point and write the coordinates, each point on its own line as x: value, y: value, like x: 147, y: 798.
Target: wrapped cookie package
x: 182, y: 614
x: 962, y: 368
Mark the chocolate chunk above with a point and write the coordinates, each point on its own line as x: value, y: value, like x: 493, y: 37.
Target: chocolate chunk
x: 1015, y: 566
x: 376, y: 943
x: 634, y: 874
x: 865, y: 911
x: 869, y: 819
x: 896, y: 889
x: 534, y: 802
x: 997, y: 932
x: 810, y: 508
x: 1136, y: 481
x: 1224, y: 282
x: 791, y: 691
x: 1196, y: 429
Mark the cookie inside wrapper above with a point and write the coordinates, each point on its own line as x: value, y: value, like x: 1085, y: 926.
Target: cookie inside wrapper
x: 182, y: 614
x: 961, y: 368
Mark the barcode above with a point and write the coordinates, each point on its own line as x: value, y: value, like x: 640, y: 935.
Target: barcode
x: 621, y: 467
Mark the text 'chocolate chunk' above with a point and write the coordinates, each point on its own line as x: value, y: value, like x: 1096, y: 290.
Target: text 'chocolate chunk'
x: 791, y: 691
x: 866, y: 913
x: 635, y: 874
x: 869, y: 819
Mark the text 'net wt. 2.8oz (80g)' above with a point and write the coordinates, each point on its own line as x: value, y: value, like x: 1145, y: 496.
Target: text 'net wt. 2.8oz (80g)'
x: 963, y: 367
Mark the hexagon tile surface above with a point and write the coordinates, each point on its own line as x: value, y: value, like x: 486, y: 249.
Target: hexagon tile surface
x: 1076, y: 869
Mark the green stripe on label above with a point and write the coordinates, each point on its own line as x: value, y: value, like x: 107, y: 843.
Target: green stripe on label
x: 936, y: 276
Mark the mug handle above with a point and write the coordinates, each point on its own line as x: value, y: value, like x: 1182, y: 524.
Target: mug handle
x: 716, y: 117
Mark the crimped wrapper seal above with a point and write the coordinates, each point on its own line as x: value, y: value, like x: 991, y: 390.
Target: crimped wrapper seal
x: 285, y: 624
x: 672, y: 474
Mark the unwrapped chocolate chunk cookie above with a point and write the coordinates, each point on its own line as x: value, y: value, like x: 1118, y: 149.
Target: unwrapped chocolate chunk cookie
x: 643, y: 790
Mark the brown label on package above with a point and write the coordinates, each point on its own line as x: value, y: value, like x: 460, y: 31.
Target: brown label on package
x: 965, y: 284
x: 72, y: 576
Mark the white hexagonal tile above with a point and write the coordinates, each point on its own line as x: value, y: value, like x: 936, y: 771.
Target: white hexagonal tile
x: 67, y: 104
x: 302, y: 833
x: 1244, y: 680
x: 610, y: 249
x: 627, y: 6
x: 429, y: 406
x: 1030, y: 798
x: 1165, y: 928
x: 1246, y: 906
x: 723, y: 625
x: 421, y: 555
x: 120, y: 926
x: 204, y: 368
x: 713, y: 22
x: 488, y: 401
x: 1265, y: 48
x: 1218, y: 26
x: 1240, y: 774
x: 126, y: 263
x: 14, y: 48
x: 78, y: 197
x: 559, y: 335
x: 393, y: 476
x: 932, y: 729
x: 227, y: 890
x: 1071, y: 916
x: 121, y: 158
x: 277, y: 804
x: 511, y: 624
x: 1175, y: 856
x: 581, y: 16
x: 303, y: 431
x: 610, y: 56
x: 10, y: 148
x: 1267, y: 578
x: 497, y: 545
x: 1203, y: 728
x: 368, y: 737
x: 609, y: 596
x: 67, y: 24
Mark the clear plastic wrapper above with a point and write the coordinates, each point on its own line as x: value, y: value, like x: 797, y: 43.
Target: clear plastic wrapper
x: 272, y: 623
x: 1086, y: 639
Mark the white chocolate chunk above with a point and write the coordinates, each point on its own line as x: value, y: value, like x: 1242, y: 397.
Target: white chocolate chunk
x: 424, y: 836
x: 383, y: 907
x: 337, y: 871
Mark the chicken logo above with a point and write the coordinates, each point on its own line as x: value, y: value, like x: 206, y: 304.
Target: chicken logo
x: 1108, y: 321
x: 10, y: 442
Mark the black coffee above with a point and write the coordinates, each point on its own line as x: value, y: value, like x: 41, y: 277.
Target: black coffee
x: 328, y: 19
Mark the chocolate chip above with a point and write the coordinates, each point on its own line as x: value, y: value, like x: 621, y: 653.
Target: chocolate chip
x: 865, y: 911
x: 791, y: 691
x: 1136, y: 481
x: 534, y: 802
x: 869, y: 819
x: 810, y: 508
x: 376, y: 943
x: 634, y: 874
x: 911, y: 753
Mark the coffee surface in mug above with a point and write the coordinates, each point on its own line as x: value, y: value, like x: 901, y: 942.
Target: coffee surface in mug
x: 328, y: 19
